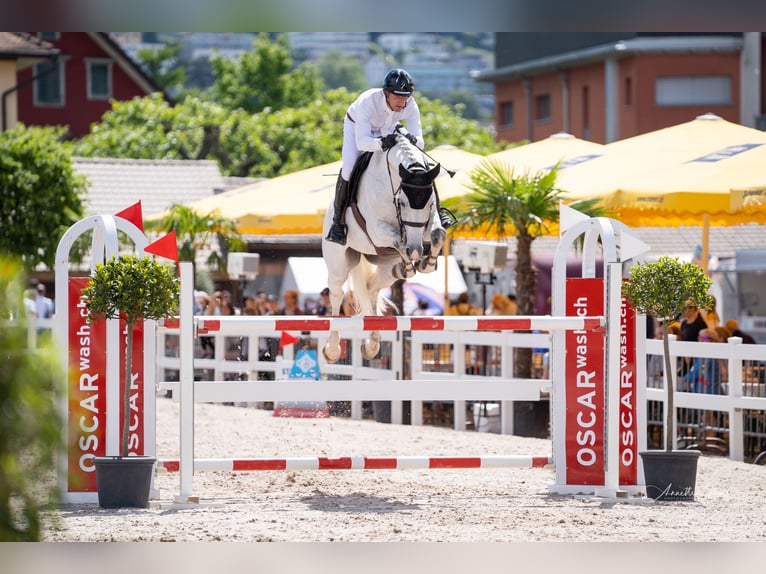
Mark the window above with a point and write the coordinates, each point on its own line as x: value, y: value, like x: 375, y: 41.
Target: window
x: 99, y: 79
x: 586, y: 106
x: 49, y: 86
x: 543, y: 107
x: 506, y: 114
x: 49, y: 35
x: 693, y: 91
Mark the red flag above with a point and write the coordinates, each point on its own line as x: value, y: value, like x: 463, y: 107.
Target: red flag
x: 287, y: 339
x: 165, y: 247
x: 134, y: 215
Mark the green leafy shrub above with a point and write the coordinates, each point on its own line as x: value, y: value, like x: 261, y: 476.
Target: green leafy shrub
x: 130, y: 288
x: 663, y: 289
x: 31, y: 429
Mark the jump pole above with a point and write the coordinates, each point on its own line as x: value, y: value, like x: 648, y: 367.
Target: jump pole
x: 187, y: 464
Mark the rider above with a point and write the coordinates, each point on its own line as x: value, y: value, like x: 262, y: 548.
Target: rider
x: 369, y: 125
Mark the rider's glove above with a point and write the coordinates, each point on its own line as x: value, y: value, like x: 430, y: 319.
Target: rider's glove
x: 388, y: 142
x: 412, y: 138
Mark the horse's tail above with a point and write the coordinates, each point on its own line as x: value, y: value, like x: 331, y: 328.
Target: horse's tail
x: 366, y: 304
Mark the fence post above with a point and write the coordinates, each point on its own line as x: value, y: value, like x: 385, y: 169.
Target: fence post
x: 736, y: 426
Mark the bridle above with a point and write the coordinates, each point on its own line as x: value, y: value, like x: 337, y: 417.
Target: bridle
x: 402, y: 188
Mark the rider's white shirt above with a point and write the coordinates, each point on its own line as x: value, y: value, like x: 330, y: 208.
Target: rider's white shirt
x: 373, y: 118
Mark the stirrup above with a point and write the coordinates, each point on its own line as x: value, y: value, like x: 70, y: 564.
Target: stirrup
x: 446, y: 218
x: 337, y: 233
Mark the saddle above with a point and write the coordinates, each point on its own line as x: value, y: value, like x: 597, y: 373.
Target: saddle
x: 362, y: 163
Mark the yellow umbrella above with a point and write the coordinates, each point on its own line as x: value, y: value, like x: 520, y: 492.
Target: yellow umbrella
x: 542, y: 155
x: 562, y: 148
x: 680, y: 175
x: 640, y: 173
x: 296, y: 203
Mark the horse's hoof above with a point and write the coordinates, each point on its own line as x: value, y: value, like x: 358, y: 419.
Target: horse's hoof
x: 330, y: 358
x: 370, y: 350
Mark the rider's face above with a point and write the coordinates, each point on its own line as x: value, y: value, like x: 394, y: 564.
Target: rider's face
x: 395, y: 102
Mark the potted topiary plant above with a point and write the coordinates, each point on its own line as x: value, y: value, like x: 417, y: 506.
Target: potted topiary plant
x: 128, y: 288
x: 663, y: 289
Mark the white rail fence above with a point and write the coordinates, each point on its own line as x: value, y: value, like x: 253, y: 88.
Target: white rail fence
x: 443, y: 356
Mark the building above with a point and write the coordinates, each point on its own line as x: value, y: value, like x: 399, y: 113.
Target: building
x: 608, y: 86
x: 18, y: 52
x: 90, y: 71
x: 312, y: 45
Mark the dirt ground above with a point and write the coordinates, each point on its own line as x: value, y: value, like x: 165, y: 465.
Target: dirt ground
x: 472, y: 505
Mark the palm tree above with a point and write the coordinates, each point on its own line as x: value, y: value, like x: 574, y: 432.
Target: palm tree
x: 501, y: 204
x: 195, y: 231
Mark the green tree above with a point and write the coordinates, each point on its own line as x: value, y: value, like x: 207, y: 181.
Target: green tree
x: 263, y: 78
x: 341, y: 70
x: 130, y: 288
x: 196, y: 231
x: 30, y: 425
x: 663, y: 289
x: 500, y: 203
x: 149, y: 128
x: 163, y: 65
x: 41, y: 194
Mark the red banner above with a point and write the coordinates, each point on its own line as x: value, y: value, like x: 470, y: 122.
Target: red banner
x: 584, y: 375
x: 137, y: 398
x: 628, y: 388
x: 87, y: 391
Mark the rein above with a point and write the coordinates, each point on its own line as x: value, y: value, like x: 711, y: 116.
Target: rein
x: 396, y: 191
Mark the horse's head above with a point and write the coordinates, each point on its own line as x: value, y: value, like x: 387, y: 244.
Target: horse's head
x: 415, y: 196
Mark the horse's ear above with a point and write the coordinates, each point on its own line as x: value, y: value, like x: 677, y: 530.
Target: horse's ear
x: 404, y: 173
x: 433, y: 172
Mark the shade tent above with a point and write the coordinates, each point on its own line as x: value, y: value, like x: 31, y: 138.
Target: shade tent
x: 701, y: 186
x: 296, y: 203
x: 562, y: 148
x: 650, y: 179
x: 679, y: 175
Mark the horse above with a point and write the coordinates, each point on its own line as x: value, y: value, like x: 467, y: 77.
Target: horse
x: 394, y: 231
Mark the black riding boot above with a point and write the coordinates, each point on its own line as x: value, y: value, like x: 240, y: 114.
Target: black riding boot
x: 337, y: 233
x: 446, y: 218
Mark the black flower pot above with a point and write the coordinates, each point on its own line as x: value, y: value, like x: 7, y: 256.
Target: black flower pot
x: 124, y: 481
x: 670, y: 475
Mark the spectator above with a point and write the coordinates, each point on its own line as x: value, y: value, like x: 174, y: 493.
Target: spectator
x: 249, y: 307
x: 501, y: 305
x: 706, y: 374
x: 43, y: 303
x: 201, y: 301
x: 325, y: 306
x: 711, y: 316
x: 723, y: 332
x: 272, y: 305
x: 733, y: 326
x: 463, y: 306
x: 29, y: 303
x: 207, y: 343
x: 692, y: 322
x: 290, y: 300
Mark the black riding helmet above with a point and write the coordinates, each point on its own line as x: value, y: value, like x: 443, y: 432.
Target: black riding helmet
x: 399, y: 82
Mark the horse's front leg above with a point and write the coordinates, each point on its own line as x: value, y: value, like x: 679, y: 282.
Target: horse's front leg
x: 371, y: 346
x: 331, y: 350
x: 431, y: 251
